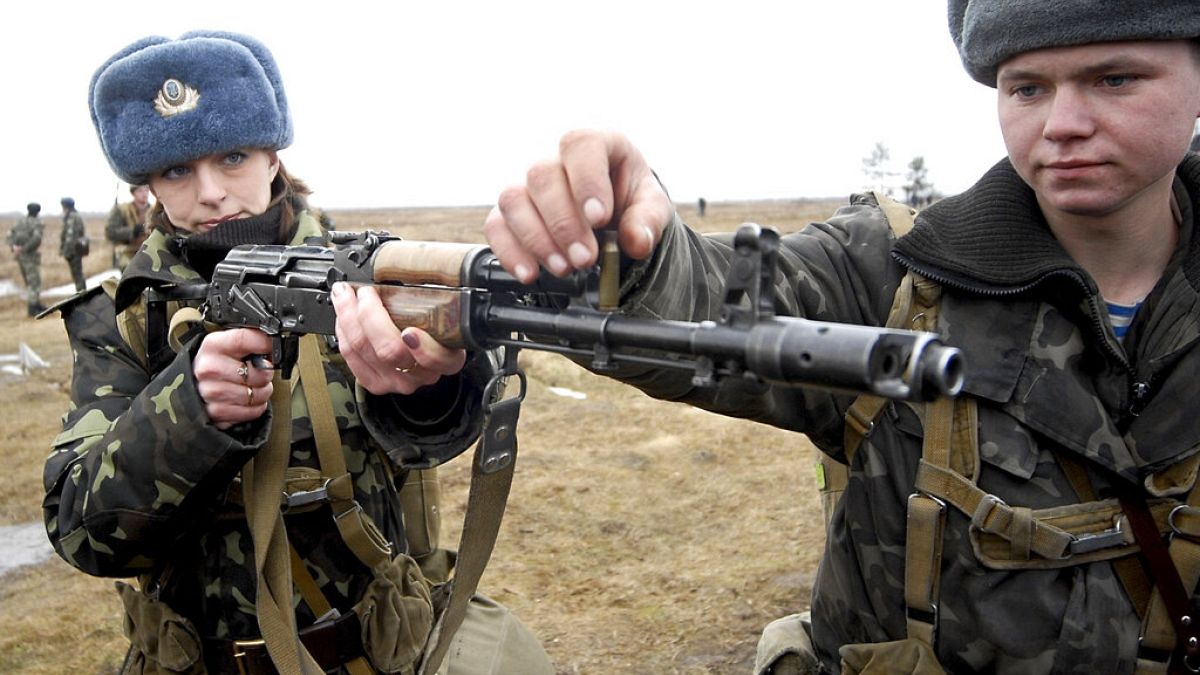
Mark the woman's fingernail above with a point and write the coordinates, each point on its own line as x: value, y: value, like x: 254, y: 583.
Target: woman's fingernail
x: 411, y: 340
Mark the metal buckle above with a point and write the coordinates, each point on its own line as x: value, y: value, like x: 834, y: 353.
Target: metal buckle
x: 1114, y: 536
x: 930, y: 618
x: 1175, y: 528
x: 292, y: 500
x: 239, y: 653
x: 925, y: 495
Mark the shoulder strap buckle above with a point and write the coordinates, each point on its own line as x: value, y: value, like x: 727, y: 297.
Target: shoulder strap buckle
x: 1114, y: 536
x: 293, y: 500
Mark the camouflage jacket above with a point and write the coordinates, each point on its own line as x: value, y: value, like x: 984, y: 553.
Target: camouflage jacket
x: 125, y: 226
x: 73, y: 231
x: 27, y: 233
x: 139, y: 478
x: 1046, y: 371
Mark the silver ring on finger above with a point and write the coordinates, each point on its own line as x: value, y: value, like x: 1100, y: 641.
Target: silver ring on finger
x: 244, y: 372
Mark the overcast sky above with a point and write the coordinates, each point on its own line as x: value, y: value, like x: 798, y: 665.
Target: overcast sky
x: 445, y: 103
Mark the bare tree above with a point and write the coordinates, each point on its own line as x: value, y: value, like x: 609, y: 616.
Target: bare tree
x: 875, y: 167
x: 918, y: 191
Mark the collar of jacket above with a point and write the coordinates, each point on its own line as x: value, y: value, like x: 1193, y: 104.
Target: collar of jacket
x: 159, y: 263
x: 993, y: 237
x: 993, y: 246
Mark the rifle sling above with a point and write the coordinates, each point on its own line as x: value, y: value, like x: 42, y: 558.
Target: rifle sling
x: 491, y: 479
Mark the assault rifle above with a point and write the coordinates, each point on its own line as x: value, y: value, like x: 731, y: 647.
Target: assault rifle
x: 462, y: 296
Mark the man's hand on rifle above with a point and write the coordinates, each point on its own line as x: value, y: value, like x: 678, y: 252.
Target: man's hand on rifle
x: 548, y: 221
x: 384, y: 359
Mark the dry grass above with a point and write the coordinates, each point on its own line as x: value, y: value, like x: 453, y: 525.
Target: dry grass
x: 641, y: 536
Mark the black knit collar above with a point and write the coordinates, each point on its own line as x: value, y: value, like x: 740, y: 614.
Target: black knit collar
x: 203, y: 251
x: 994, y: 238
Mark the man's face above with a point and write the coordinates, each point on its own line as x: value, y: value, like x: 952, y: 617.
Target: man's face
x: 141, y: 195
x: 1095, y: 128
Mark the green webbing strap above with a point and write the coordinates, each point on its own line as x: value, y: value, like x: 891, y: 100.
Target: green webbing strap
x: 359, y: 532
x: 925, y: 524
x: 263, y: 479
x: 491, y: 478
x: 989, y: 514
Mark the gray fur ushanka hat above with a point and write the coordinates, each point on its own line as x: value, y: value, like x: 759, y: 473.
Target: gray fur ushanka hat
x: 989, y: 32
x: 161, y: 102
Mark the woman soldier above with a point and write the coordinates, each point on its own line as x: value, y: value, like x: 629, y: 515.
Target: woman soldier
x: 154, y: 474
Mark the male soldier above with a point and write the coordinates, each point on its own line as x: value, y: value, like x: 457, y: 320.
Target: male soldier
x: 126, y: 226
x: 73, y: 242
x: 24, y: 239
x: 1009, y: 530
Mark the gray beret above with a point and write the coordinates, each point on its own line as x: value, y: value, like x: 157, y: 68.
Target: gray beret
x: 160, y: 102
x: 989, y: 32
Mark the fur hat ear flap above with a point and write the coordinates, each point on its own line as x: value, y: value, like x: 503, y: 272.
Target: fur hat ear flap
x: 160, y: 102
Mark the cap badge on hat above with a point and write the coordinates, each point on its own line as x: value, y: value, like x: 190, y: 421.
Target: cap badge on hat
x: 175, y: 97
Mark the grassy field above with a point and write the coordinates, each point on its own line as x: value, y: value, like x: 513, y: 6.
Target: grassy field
x: 641, y: 536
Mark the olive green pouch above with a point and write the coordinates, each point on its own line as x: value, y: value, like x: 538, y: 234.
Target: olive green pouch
x: 396, y: 612
x: 898, y: 657
x: 161, y: 641
x: 785, y: 647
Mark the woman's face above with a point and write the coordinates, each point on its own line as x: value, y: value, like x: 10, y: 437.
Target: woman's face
x: 205, y: 192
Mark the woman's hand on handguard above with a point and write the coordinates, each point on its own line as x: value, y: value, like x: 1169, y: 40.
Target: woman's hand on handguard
x: 233, y: 390
x: 384, y: 359
x: 548, y: 221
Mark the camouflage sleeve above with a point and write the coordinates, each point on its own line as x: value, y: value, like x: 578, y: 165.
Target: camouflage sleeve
x: 117, y: 229
x: 434, y: 424
x: 137, y: 467
x: 64, y: 236
x: 839, y: 270
x: 26, y: 233
x: 34, y: 241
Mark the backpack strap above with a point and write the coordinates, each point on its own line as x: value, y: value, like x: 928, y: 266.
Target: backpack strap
x: 951, y: 442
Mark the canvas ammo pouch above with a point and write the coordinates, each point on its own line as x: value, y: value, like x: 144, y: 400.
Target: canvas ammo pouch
x: 161, y: 641
x: 898, y: 657
x: 396, y: 614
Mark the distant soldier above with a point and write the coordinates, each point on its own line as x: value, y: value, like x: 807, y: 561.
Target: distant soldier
x: 24, y: 239
x: 702, y: 205
x: 73, y: 244
x: 126, y: 227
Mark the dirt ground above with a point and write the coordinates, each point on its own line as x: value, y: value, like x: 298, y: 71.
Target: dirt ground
x: 641, y: 536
